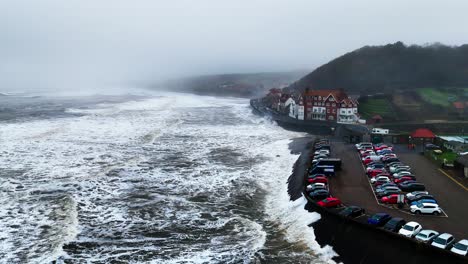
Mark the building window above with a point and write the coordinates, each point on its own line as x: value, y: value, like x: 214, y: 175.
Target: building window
x: 330, y: 117
x: 328, y: 111
x: 334, y: 111
x: 333, y: 104
x: 343, y: 105
x: 328, y: 104
x: 349, y: 111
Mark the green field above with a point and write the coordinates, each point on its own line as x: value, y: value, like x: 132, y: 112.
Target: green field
x: 373, y: 107
x: 440, y: 96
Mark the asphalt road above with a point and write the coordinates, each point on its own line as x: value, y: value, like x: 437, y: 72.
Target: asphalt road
x: 351, y: 185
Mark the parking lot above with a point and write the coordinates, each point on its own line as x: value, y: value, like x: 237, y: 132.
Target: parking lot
x: 352, y: 186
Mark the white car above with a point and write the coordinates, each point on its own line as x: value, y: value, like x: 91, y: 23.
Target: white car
x: 426, y: 235
x: 322, y: 151
x: 415, y: 193
x: 315, y: 186
x: 363, y: 145
x: 426, y: 208
x: 380, y: 178
x: 443, y: 241
x: 394, y: 168
x: 410, y: 229
x: 401, y: 174
x: 461, y: 247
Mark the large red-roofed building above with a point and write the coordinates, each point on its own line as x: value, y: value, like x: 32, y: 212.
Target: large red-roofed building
x: 330, y: 105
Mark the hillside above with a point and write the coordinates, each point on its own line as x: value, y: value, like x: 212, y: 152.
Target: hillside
x: 237, y: 85
x: 383, y: 69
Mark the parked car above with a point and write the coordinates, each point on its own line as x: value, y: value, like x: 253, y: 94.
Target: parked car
x: 391, y: 160
x: 410, y: 229
x: 329, y: 202
x: 394, y: 169
x: 391, y: 199
x: 384, y: 151
x: 385, y: 185
x: 375, y: 166
x: 379, y: 219
x: 461, y: 247
x: 411, y: 186
x: 443, y: 241
x: 426, y: 208
x: 369, y: 159
x: 419, y: 197
x: 401, y: 173
x: 383, y: 179
x: 424, y: 201
x: 336, y: 163
x: 319, y: 194
x: 415, y: 193
x: 315, y: 186
x: 383, y: 147
x: 394, y: 224
x: 387, y: 191
x: 426, y: 235
x: 352, y: 211
x: 363, y: 144
x: 322, y: 152
x: 404, y: 179
x: 374, y: 172
x: 395, y: 163
x: 387, y: 156
x: 366, y: 152
x: 318, y: 180
x: 311, y: 176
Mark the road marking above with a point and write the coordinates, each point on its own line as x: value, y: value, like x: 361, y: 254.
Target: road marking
x: 450, y: 177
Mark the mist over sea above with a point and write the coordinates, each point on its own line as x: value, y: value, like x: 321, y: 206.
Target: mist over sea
x: 159, y: 178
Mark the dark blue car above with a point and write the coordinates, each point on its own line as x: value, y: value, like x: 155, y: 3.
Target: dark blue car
x: 379, y: 219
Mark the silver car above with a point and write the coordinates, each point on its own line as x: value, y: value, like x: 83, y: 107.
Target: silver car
x: 443, y: 241
x: 426, y: 235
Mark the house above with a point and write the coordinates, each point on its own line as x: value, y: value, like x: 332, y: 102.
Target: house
x: 456, y: 144
x: 272, y: 99
x: 330, y: 105
x: 462, y: 163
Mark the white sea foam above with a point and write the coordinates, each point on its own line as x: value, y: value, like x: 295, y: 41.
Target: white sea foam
x: 124, y: 171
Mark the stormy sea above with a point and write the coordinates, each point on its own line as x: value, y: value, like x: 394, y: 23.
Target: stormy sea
x: 148, y: 178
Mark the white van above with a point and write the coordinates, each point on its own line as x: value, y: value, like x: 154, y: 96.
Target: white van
x: 379, y: 131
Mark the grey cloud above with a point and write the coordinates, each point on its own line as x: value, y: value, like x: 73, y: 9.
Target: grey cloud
x: 76, y: 43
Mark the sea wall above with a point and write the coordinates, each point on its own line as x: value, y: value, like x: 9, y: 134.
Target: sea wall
x: 358, y: 242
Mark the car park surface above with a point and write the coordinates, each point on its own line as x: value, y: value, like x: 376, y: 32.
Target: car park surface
x: 354, y: 188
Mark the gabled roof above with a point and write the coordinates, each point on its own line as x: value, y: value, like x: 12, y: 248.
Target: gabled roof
x: 422, y: 133
x: 338, y: 95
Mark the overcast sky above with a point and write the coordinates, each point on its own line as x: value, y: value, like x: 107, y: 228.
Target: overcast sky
x: 77, y: 43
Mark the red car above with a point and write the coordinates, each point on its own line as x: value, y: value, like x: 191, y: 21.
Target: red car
x: 404, y: 178
x: 391, y: 199
x: 318, y: 179
x: 383, y: 147
x: 374, y: 172
x: 329, y: 202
